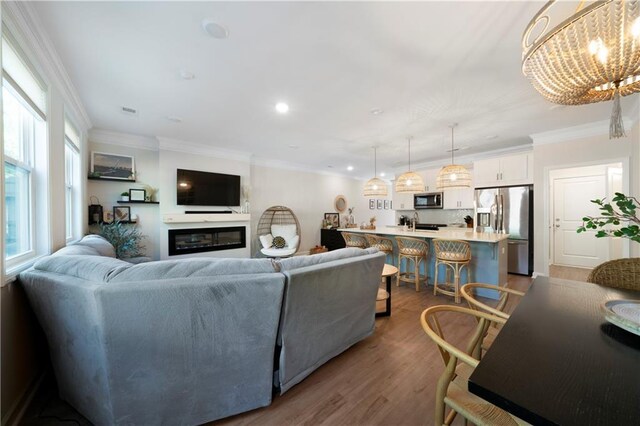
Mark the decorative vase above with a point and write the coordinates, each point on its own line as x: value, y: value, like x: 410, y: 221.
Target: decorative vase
x: 245, y: 208
x: 124, y: 198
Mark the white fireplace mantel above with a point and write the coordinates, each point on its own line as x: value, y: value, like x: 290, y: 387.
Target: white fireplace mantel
x: 205, y: 218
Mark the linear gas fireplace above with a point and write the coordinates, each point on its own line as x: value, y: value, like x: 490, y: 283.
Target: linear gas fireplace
x: 188, y: 241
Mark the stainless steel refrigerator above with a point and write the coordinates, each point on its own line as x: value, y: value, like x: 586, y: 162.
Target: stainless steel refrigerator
x: 509, y: 210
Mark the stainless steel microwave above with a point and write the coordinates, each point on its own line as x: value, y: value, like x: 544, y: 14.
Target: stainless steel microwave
x: 430, y: 200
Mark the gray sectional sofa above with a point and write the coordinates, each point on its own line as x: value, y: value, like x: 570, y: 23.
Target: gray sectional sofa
x: 191, y: 341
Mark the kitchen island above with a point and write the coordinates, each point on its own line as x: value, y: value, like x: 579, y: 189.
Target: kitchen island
x: 488, y: 252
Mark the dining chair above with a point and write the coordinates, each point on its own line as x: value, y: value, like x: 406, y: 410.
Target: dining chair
x: 491, y: 330
x: 452, y: 387
x: 619, y: 273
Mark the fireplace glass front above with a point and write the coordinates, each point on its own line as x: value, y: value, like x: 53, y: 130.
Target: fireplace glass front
x: 189, y: 241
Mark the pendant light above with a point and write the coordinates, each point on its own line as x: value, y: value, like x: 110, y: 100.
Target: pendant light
x: 454, y: 175
x: 375, y: 187
x: 409, y: 181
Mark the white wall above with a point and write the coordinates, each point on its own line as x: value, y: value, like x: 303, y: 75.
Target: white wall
x: 580, y: 152
x: 108, y: 192
x: 309, y: 195
x: 169, y: 162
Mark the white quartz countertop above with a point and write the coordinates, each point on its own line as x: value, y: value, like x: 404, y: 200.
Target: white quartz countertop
x: 464, y: 234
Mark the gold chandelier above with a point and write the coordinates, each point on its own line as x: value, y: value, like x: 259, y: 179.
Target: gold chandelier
x: 590, y: 56
x: 409, y: 181
x: 454, y: 175
x: 375, y: 187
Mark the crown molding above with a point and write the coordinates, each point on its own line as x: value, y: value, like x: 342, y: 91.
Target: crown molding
x: 24, y: 24
x: 123, y: 139
x: 168, y: 144
x: 285, y: 165
x: 597, y: 128
x: 467, y: 160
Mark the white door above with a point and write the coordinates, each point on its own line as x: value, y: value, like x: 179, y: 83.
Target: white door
x: 571, y: 203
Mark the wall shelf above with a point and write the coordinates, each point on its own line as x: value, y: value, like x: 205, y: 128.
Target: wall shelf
x: 205, y: 218
x: 138, y: 202
x: 110, y: 179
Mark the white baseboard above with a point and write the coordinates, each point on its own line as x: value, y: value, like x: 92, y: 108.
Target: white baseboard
x: 538, y: 274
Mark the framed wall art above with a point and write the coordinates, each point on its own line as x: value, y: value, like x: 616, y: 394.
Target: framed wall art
x: 112, y: 166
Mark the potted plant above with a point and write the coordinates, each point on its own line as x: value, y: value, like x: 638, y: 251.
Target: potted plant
x: 621, y: 214
x: 124, y: 196
x: 125, y: 239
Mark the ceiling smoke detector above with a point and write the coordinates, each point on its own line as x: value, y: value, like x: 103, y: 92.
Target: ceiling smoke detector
x: 215, y: 30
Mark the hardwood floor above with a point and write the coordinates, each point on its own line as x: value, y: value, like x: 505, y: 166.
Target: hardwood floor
x: 388, y: 378
x: 569, y: 273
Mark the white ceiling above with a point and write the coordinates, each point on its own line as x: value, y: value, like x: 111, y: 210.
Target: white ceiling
x: 425, y: 65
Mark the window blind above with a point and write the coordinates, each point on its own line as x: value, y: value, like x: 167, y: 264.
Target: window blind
x: 22, y: 78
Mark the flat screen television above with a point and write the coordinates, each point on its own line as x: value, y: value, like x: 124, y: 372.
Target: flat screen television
x: 207, y: 189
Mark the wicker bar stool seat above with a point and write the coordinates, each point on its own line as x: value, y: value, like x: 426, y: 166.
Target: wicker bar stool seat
x: 456, y: 255
x: 354, y: 240
x: 383, y: 244
x: 412, y: 250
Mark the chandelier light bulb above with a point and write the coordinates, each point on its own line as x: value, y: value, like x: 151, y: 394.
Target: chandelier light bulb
x: 453, y: 177
x: 603, y: 53
x: 635, y: 28
x: 409, y: 182
x: 375, y: 187
x: 594, y: 46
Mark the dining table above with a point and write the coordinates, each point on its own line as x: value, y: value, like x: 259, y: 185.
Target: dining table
x: 558, y: 361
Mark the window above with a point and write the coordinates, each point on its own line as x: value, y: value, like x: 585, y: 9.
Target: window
x: 24, y: 129
x: 72, y: 180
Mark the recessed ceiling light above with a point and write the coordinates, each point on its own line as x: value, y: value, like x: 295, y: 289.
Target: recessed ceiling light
x: 554, y: 107
x: 214, y: 29
x: 331, y: 167
x: 382, y: 174
x: 174, y: 119
x: 376, y: 111
x: 129, y: 110
x: 491, y: 137
x: 294, y: 146
x: 350, y: 168
x: 282, y: 107
x: 186, y: 75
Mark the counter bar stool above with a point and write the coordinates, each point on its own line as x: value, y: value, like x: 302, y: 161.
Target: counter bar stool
x: 381, y: 243
x: 415, y: 250
x: 454, y: 254
x: 354, y: 240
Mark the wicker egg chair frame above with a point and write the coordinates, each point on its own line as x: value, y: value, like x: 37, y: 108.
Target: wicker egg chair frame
x: 278, y: 215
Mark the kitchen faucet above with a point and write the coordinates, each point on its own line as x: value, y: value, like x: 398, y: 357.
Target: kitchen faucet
x: 414, y: 221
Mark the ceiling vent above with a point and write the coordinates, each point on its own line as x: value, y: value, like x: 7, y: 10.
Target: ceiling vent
x: 129, y: 111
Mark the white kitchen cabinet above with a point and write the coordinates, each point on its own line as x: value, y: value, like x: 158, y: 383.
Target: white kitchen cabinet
x: 504, y: 171
x: 456, y: 199
x: 401, y: 200
x: 430, y: 177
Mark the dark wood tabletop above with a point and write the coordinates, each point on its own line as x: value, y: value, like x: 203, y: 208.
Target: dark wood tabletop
x: 558, y: 361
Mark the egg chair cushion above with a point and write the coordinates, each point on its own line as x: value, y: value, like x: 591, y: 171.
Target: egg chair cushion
x: 274, y: 252
x: 285, y: 231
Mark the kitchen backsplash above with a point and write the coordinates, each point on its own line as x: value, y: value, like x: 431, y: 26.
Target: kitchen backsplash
x: 438, y: 216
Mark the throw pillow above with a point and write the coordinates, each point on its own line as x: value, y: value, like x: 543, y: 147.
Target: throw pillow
x: 266, y: 241
x: 279, y: 242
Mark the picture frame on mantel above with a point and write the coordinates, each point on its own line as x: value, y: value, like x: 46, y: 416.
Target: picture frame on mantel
x: 380, y: 204
x: 333, y: 219
x: 372, y: 204
x: 112, y: 167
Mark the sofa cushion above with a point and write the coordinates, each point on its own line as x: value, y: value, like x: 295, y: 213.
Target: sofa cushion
x: 91, y: 268
x: 302, y: 261
x: 98, y: 243
x: 195, y: 267
x: 76, y: 249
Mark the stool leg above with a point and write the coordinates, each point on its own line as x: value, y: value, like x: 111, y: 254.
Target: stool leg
x: 416, y: 269
x: 456, y: 282
x: 399, y: 270
x: 435, y: 279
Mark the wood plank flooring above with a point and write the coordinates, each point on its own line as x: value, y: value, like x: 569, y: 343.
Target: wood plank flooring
x: 386, y: 379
